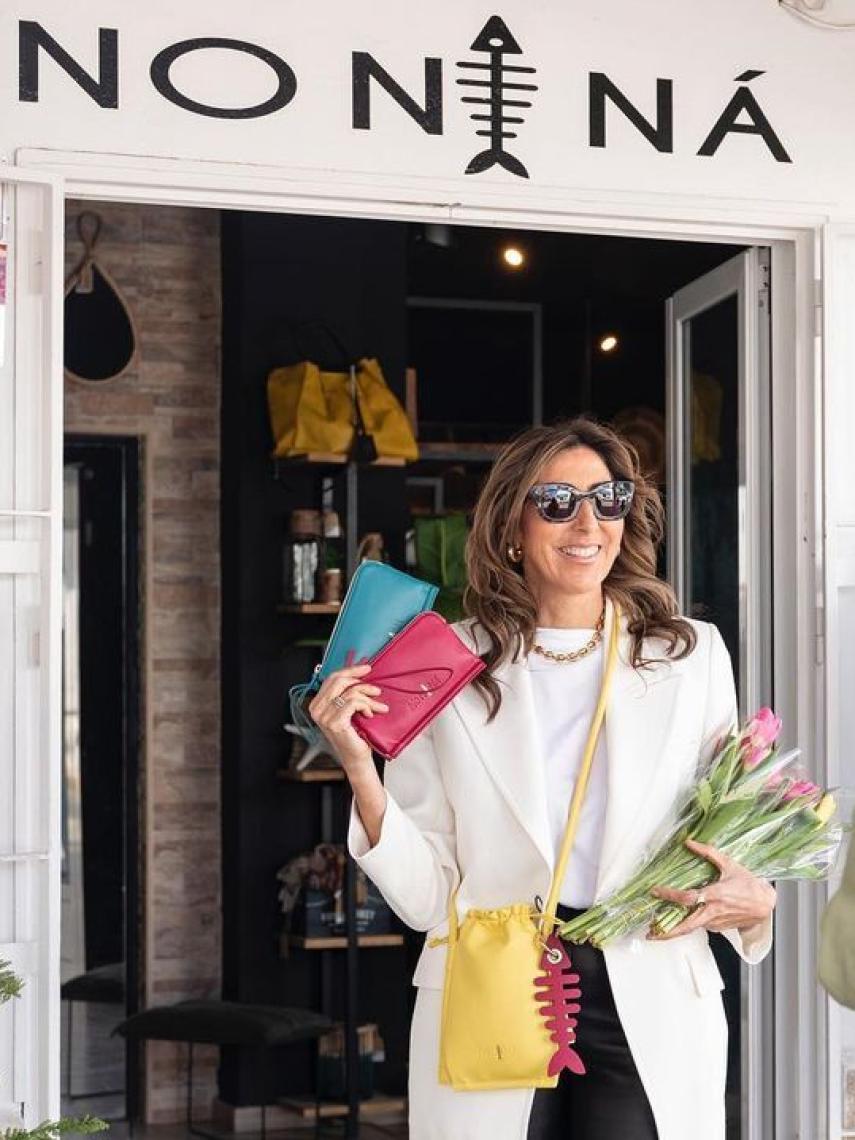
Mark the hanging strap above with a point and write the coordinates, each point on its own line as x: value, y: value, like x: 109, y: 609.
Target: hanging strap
x: 548, y: 918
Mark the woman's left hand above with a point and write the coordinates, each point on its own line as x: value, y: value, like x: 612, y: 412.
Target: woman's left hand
x: 737, y: 900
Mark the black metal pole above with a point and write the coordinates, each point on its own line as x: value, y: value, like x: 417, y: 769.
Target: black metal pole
x: 351, y: 1020
x: 351, y: 1044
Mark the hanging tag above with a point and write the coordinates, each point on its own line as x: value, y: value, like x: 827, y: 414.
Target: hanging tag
x: 557, y: 993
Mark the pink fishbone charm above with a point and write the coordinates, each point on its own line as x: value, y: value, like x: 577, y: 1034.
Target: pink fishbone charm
x: 556, y: 991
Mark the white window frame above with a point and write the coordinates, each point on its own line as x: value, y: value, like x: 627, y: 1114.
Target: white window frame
x: 803, y: 1089
x: 31, y: 513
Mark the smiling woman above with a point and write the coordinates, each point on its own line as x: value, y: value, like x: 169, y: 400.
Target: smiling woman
x: 484, y: 808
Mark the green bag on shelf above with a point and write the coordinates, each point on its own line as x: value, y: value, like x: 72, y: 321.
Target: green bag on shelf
x: 441, y: 557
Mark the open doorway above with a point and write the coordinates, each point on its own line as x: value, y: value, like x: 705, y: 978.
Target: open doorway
x: 492, y: 341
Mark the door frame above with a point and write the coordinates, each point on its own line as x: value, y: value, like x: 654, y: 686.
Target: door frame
x: 33, y: 768
x: 747, y: 278
x: 130, y: 450
x: 804, y: 1088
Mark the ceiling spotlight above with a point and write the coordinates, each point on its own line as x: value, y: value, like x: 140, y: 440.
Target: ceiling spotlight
x: 608, y: 343
x: 513, y: 256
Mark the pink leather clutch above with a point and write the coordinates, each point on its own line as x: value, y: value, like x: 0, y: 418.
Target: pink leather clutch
x: 420, y: 670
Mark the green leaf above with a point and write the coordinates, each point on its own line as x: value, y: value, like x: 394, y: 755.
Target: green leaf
x: 10, y: 984
x: 440, y: 549
x: 704, y: 796
x: 51, y: 1129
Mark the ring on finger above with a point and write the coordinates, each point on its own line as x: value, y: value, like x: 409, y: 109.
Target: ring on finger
x: 701, y: 899
x: 339, y: 701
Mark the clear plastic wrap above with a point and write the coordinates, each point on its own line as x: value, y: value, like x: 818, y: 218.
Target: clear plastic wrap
x: 751, y: 802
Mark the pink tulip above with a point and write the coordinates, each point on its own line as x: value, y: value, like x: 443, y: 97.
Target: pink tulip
x: 802, y: 789
x: 759, y: 735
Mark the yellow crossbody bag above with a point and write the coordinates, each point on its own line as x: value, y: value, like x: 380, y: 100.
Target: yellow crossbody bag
x: 507, y: 1009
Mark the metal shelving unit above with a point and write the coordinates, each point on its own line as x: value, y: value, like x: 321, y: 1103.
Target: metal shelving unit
x: 325, y: 779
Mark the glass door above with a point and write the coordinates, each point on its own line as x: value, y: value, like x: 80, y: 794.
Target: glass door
x: 719, y: 557
x: 31, y: 211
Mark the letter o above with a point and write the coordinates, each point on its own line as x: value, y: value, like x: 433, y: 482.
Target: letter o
x: 164, y: 60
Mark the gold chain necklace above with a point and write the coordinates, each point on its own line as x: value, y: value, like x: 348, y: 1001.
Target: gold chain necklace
x: 576, y: 654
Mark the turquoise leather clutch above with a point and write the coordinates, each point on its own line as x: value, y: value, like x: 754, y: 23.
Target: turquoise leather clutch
x: 379, y: 602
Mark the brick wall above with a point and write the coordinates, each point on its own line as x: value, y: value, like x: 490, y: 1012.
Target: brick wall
x: 167, y: 263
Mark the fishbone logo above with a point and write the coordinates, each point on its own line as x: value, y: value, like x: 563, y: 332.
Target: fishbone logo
x: 495, y: 40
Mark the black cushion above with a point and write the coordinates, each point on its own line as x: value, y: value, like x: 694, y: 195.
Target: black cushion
x: 104, y: 983
x: 225, y: 1023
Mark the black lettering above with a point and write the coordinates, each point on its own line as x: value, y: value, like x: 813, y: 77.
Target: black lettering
x: 104, y: 90
x: 286, y: 79
x: 366, y: 68
x: 743, y: 100
x: 601, y: 88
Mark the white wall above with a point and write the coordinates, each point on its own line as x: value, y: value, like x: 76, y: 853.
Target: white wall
x: 702, y: 45
x: 840, y: 578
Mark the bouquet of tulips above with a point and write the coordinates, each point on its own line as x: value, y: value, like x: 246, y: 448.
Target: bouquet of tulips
x: 753, y: 804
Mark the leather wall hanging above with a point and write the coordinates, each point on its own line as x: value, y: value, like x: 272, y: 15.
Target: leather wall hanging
x: 100, y: 336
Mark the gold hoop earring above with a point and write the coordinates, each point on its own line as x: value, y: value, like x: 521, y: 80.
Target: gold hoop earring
x: 515, y: 554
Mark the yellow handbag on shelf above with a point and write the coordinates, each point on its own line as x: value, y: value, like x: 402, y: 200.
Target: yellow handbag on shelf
x: 316, y: 411
x: 507, y: 1014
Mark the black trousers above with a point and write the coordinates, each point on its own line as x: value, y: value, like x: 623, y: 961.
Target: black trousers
x: 609, y: 1102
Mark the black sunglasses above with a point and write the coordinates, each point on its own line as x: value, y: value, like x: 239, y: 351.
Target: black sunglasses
x: 560, y: 502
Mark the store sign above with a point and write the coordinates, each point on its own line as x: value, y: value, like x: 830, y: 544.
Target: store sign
x: 510, y: 102
x: 497, y: 84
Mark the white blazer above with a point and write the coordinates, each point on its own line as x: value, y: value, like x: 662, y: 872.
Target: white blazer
x: 467, y: 808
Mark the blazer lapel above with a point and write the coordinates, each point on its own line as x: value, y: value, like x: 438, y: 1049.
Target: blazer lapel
x: 509, y: 747
x: 640, y: 716
x: 639, y: 720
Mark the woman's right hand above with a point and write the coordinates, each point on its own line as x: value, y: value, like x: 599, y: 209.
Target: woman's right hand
x: 335, y: 721
x: 354, y: 694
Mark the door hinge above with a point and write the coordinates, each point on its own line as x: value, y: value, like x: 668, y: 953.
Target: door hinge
x: 764, y: 264
x: 817, y: 307
x: 819, y: 636
x: 764, y: 277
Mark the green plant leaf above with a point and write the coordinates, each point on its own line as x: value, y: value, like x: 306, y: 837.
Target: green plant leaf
x: 440, y: 549
x: 10, y: 984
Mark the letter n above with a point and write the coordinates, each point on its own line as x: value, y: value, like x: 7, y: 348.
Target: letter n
x: 661, y: 135
x: 366, y: 68
x: 32, y: 37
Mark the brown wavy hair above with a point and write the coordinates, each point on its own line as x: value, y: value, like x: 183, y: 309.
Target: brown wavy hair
x: 497, y: 596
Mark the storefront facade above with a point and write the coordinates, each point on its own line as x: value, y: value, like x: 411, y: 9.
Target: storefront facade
x: 723, y: 123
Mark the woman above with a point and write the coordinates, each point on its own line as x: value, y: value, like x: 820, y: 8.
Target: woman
x: 565, y: 527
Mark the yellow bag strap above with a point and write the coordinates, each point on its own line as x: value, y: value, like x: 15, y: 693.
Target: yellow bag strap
x: 548, y: 919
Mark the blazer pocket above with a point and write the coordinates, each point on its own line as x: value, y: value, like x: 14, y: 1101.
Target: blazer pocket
x: 703, y: 970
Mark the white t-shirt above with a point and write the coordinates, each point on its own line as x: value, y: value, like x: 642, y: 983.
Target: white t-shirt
x: 565, y: 695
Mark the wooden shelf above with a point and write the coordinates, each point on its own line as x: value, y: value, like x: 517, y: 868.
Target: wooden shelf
x: 309, y: 608
x: 312, y: 775
x: 366, y: 942
x: 377, y: 1105
x: 471, y: 452
x: 332, y: 457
